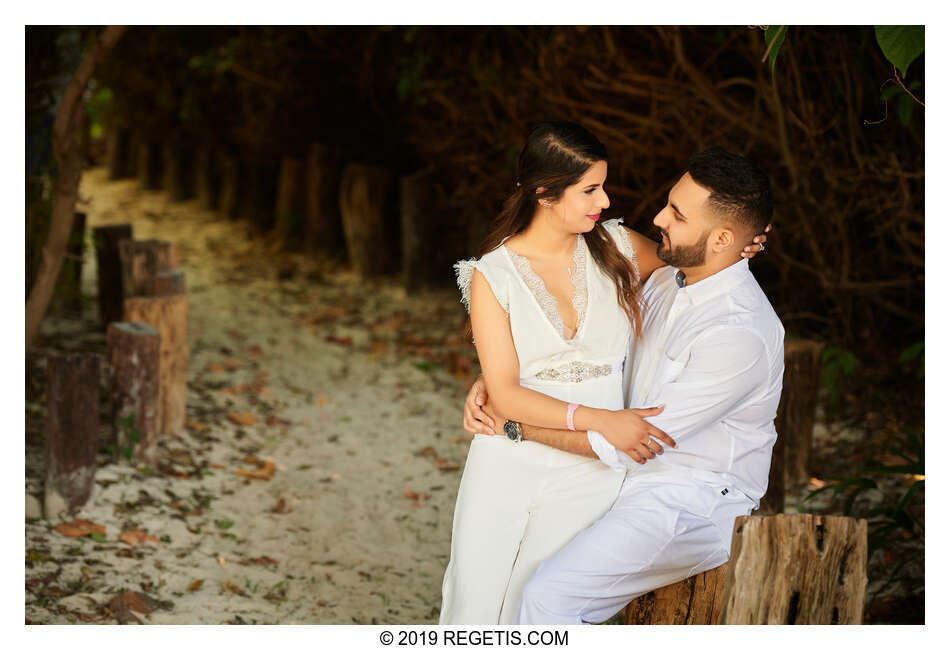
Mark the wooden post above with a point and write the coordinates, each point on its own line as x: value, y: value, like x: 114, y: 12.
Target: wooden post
x: 70, y: 278
x: 694, y: 601
x: 417, y: 211
x: 149, y: 166
x: 169, y: 315
x: 72, y: 431
x: 134, y: 356
x: 230, y: 193
x: 207, y: 182
x: 165, y: 283
x: 119, y: 153
x: 323, y: 232
x: 109, y: 270
x: 291, y: 202
x: 178, y: 177
x: 143, y: 259
x: 369, y: 227
x: 795, y: 421
x: 796, y: 569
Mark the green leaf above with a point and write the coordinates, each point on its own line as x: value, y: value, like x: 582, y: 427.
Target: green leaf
x: 905, y: 106
x: 912, y: 352
x: 901, y: 44
x: 774, y: 37
x: 223, y: 524
x: 96, y: 537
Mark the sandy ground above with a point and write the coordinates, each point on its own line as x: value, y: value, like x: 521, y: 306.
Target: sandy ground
x: 353, y: 401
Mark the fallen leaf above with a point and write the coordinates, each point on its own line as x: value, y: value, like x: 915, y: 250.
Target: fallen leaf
x: 340, y: 340
x: 264, y: 473
x: 415, y: 496
x: 122, y: 605
x: 233, y: 364
x: 196, y: 426
x: 379, y: 348
x: 427, y: 452
x: 79, y: 528
x: 273, y: 420
x: 265, y: 560
x: 133, y: 537
x: 281, y: 507
x: 215, y: 466
x: 250, y: 459
x: 233, y: 588
x: 445, y: 465
x: 245, y: 419
x: 196, y: 585
x: 254, y: 351
x: 214, y: 367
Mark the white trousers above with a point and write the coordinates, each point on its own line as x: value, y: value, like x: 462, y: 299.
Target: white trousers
x: 664, y: 527
x: 518, y: 503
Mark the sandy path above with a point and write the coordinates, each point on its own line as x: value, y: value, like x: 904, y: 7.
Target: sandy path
x: 351, y: 426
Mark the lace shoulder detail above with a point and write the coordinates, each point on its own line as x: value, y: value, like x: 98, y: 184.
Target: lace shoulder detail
x: 463, y: 277
x: 548, y: 302
x: 622, y: 240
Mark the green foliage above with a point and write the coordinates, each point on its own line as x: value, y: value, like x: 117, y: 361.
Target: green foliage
x: 837, y: 364
x: 901, y: 44
x: 127, y: 423
x: 100, y: 104
x: 905, y: 103
x: 774, y: 37
x: 913, y: 352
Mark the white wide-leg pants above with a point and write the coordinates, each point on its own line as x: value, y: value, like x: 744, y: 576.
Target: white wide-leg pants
x: 664, y: 527
x: 518, y: 503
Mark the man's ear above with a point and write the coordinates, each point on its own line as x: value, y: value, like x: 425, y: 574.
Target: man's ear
x: 723, y: 239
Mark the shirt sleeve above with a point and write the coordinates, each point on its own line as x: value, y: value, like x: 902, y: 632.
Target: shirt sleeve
x: 726, y: 368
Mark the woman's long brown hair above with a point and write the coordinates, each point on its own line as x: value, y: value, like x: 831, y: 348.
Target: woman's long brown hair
x: 556, y: 156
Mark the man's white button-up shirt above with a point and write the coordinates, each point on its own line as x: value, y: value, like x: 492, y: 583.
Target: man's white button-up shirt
x: 713, y: 354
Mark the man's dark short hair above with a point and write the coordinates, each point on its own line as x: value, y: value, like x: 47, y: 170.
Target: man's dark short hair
x: 739, y: 191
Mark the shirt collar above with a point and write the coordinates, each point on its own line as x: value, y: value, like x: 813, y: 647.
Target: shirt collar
x: 717, y: 283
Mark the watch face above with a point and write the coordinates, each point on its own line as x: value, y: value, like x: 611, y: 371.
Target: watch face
x: 512, y: 430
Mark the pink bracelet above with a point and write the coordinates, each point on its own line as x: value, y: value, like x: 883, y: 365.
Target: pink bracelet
x: 570, y: 416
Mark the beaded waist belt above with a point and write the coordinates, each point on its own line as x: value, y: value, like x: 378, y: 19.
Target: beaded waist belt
x: 578, y: 371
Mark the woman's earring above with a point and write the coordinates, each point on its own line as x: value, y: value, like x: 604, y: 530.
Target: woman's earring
x: 546, y: 204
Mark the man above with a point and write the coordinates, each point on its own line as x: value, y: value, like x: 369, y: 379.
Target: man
x: 712, y: 354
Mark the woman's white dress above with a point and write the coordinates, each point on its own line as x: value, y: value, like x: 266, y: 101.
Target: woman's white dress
x: 519, y: 502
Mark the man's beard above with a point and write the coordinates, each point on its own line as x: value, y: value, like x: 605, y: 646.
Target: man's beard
x: 684, y: 256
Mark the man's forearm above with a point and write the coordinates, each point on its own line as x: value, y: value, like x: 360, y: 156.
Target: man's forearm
x: 573, y: 442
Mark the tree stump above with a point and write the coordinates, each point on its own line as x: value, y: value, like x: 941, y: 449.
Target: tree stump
x: 323, y: 232
x: 230, y: 193
x: 796, y: 569
x: 143, y: 259
x: 178, y: 177
x: 207, y: 182
x: 369, y: 220
x: 119, y: 153
x: 165, y: 283
x: 169, y: 315
x: 261, y: 194
x: 291, y: 202
x: 694, y: 601
x: 72, y: 431
x: 69, y: 283
x: 795, y: 420
x: 134, y: 350
x: 109, y: 270
x: 417, y: 211
x: 149, y: 166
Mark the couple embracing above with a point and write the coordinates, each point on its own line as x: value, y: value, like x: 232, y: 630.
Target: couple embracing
x: 624, y: 417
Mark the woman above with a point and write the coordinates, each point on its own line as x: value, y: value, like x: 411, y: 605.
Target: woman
x: 554, y: 301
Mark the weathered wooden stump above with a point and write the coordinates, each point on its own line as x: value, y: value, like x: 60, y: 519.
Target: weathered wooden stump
x: 165, y: 283
x: 230, y: 192
x: 178, y: 175
x: 143, y: 259
x: 694, y: 601
x: 795, y: 421
x: 149, y: 166
x: 109, y: 270
x: 207, y: 181
x: 119, y: 153
x: 72, y: 431
x: 69, y: 283
x: 796, y: 569
x: 370, y: 228
x: 323, y: 232
x: 134, y: 350
x: 169, y: 315
x: 291, y: 203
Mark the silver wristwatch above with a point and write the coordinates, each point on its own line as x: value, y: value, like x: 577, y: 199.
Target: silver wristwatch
x: 513, y: 430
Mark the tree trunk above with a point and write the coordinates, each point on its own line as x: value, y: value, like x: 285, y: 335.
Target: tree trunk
x: 109, y: 270
x: 206, y: 178
x: 149, y: 166
x: 143, y: 259
x: 291, y: 203
x: 369, y: 219
x: 324, y: 226
x: 67, y: 148
x: 231, y: 194
x: 72, y: 431
x: 134, y: 350
x: 169, y: 315
x: 165, y: 283
x: 795, y: 421
x: 796, y: 569
x: 70, y: 277
x: 178, y: 176
x: 417, y: 209
x: 119, y: 153
x: 694, y: 601
x: 261, y: 194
